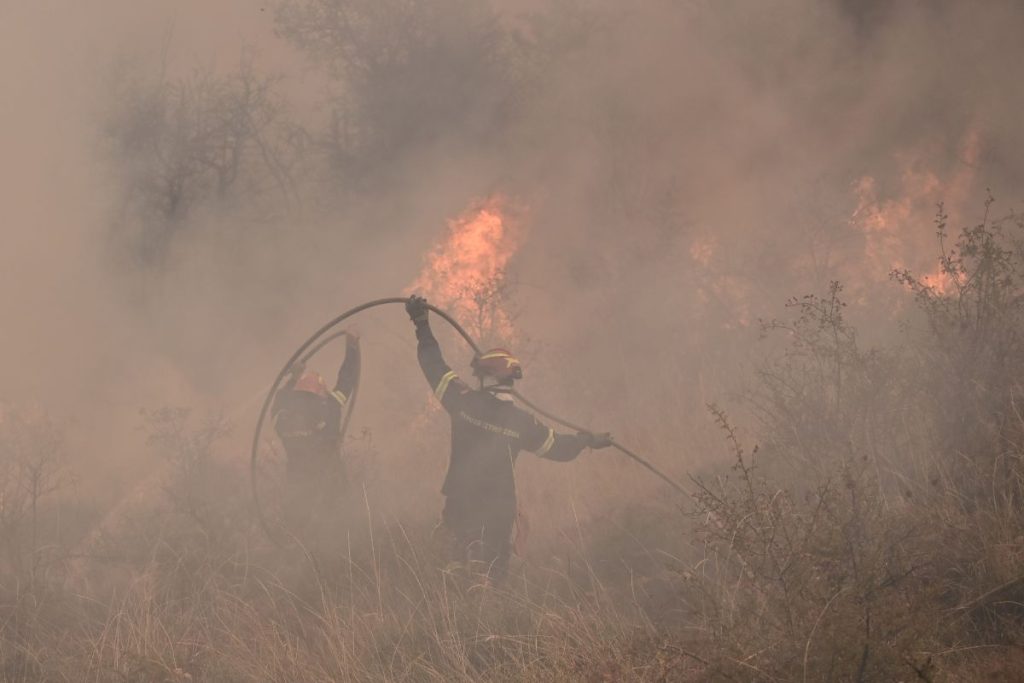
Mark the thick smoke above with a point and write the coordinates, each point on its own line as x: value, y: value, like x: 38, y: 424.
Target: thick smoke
x: 681, y: 168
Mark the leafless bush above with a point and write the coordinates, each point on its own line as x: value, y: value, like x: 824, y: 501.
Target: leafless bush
x: 823, y: 585
x: 33, y: 470
x: 443, y: 59
x: 193, y: 526
x: 968, y: 360
x: 876, y: 535
x: 825, y: 399
x: 204, y: 141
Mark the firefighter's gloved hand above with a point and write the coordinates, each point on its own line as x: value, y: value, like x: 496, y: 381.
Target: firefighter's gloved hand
x: 595, y: 441
x: 416, y: 307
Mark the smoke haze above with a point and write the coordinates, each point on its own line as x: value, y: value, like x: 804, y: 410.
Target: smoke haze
x: 678, y: 170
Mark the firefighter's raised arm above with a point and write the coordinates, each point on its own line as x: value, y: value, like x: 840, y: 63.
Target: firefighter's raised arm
x: 443, y: 380
x: 348, y: 377
x: 348, y: 373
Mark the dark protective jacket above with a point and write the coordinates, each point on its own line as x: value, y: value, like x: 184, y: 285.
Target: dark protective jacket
x: 309, y: 425
x: 487, y: 432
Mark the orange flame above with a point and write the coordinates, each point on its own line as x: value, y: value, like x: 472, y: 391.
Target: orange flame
x: 892, y: 228
x: 941, y: 282
x: 465, y: 272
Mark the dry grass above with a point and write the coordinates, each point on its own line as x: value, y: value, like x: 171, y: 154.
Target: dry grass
x: 867, y: 538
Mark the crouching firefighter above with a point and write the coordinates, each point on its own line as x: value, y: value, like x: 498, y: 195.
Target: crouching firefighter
x: 307, y: 419
x: 487, y: 434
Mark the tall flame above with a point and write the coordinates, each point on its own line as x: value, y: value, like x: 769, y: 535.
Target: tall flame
x: 465, y: 272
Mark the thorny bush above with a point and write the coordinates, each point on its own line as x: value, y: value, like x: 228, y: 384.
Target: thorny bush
x: 969, y: 361
x: 876, y: 535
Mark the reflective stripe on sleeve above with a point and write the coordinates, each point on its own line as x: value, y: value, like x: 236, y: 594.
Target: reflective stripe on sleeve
x: 339, y: 397
x: 442, y: 386
x: 548, y: 443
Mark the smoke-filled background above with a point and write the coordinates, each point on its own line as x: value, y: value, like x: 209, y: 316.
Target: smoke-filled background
x: 618, y: 190
x: 673, y: 163
x: 190, y: 187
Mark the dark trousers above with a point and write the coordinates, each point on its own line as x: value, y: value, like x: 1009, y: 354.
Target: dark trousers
x: 481, y: 530
x: 314, y: 488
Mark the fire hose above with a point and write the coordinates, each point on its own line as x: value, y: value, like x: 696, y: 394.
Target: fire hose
x: 318, y: 340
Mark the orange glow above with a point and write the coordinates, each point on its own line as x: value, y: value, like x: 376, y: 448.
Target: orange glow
x: 895, y: 229
x: 716, y: 287
x: 702, y: 250
x: 886, y: 224
x: 464, y: 272
x: 941, y: 283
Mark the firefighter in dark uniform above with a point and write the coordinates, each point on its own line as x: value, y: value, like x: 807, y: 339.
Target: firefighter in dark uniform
x: 307, y: 419
x: 487, y: 434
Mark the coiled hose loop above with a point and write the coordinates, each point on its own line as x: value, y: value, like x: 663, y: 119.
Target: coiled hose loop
x: 324, y: 335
